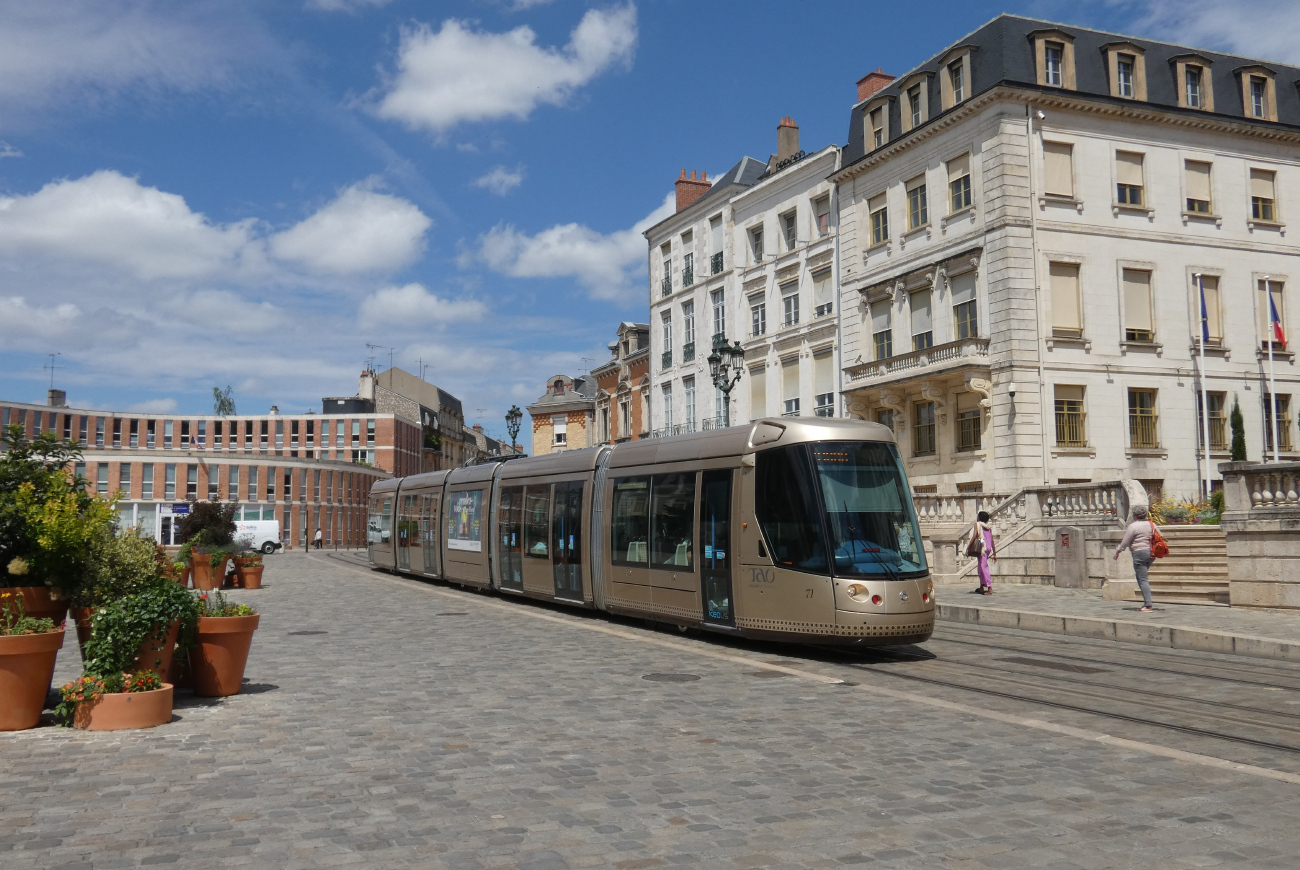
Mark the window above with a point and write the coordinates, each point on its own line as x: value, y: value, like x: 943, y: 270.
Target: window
x: 630, y: 521
x: 822, y: 215
x: 964, y: 314
x: 293, y: 433
x: 666, y: 324
x: 922, y: 325
x: 688, y: 269
x: 824, y: 384
x: 1067, y: 320
x: 1258, y: 100
x: 217, y: 434
x: 1208, y: 287
x: 1069, y: 417
x: 688, y: 326
x: 876, y: 119
x: 311, y: 433
x: 923, y: 432
x: 823, y: 294
x: 117, y: 429
x: 146, y: 481
x: 1218, y: 421
x: 1124, y: 68
x: 957, y: 80
x: 881, y: 332
x: 99, y: 431
x: 1142, y: 420
x: 625, y: 417
x: 124, y: 479
x: 1192, y: 84
x: 786, y: 508
x: 757, y: 316
x: 101, y: 478
x: 885, y: 417
x: 758, y: 392
x: 1058, y: 169
x: 1138, y: 323
x: 1197, y: 176
x: 918, y: 213
x: 85, y: 423
x: 915, y: 109
x: 185, y: 433
x: 688, y: 389
x: 537, y: 521
x: 214, y: 482
x: 1054, y: 64
x: 672, y: 521
x: 191, y: 482
x: 756, y: 244
x: 286, y: 486
x: 1263, y: 203
x: 1128, y: 178
x: 790, y: 387
x: 879, y: 212
x: 790, y: 305
x: 1272, y: 315
x: 279, y: 435
x: 169, y: 482
x: 668, y: 406
x: 715, y: 239
x: 718, y: 299
x: 790, y: 230
x: 1282, y: 404
x: 339, y: 434
x: 666, y: 277
x: 356, y: 433
x: 370, y: 433
x: 232, y: 482
x: 959, y: 197
x: 560, y: 426
x: 968, y: 423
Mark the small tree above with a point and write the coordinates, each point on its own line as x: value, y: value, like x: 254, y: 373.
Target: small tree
x: 223, y: 404
x: 1238, y: 432
x: 209, y: 525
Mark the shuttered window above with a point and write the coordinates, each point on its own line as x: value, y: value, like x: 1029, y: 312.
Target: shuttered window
x: 881, y: 313
x: 1058, y: 161
x: 1128, y: 178
x: 758, y: 393
x: 1263, y: 198
x: 965, y: 318
x: 1066, y: 318
x: 1137, y: 305
x: 922, y: 324
x: 790, y: 387
x: 1197, y: 174
x: 822, y: 294
x: 1213, y: 315
x: 824, y: 384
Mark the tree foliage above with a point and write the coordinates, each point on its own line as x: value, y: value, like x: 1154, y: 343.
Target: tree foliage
x: 223, y: 403
x: 1238, y: 426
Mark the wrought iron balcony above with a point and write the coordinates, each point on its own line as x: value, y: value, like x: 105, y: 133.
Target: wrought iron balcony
x: 713, y: 423
x: 688, y: 352
x: 715, y: 263
x: 688, y: 270
x: 666, y: 285
x: 667, y: 361
x: 719, y: 340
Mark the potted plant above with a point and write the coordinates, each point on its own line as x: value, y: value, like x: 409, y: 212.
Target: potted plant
x: 131, y: 645
x: 220, y: 652
x: 248, y: 565
x: 47, y: 521
x: 28, y: 648
x: 209, y: 529
x: 119, y: 564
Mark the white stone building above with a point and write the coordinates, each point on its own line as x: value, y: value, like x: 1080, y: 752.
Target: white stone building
x: 751, y: 260
x: 1026, y: 220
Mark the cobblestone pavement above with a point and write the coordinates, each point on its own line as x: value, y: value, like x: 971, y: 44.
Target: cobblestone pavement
x: 422, y: 726
x: 1279, y: 624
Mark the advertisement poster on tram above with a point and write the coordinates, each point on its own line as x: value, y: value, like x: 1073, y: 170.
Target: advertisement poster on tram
x: 465, y: 521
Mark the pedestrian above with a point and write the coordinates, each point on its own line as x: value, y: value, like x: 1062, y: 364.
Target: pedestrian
x: 980, y: 544
x: 317, y: 541
x: 1137, y: 540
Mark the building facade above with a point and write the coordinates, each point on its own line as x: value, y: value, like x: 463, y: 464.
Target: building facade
x: 564, y: 418
x: 623, y: 386
x: 1028, y: 223
x: 306, y: 472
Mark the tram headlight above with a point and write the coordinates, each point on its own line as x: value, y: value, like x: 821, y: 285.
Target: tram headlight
x: 857, y: 591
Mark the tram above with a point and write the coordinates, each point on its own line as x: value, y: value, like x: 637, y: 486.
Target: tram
x: 787, y: 529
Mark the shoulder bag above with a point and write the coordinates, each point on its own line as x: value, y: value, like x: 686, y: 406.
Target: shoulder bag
x: 1159, y: 547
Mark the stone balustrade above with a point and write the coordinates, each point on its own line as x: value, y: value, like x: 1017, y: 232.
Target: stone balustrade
x: 942, y: 356
x: 1261, y: 522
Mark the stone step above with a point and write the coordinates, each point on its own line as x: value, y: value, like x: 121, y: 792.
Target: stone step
x: 1212, y: 596
x: 1215, y: 585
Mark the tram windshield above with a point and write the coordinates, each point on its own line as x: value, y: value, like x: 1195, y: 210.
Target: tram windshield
x: 868, y: 510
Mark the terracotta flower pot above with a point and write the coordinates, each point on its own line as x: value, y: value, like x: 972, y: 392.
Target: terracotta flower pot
x: 38, y: 603
x: 206, y: 575
x: 250, y: 576
x: 217, y: 661
x: 147, y: 658
x: 125, y: 710
x: 26, y: 668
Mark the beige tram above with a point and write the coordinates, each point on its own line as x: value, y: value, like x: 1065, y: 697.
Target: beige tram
x: 791, y: 529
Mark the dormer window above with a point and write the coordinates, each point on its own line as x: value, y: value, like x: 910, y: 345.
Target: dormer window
x: 1258, y: 86
x: 877, y: 118
x: 1124, y: 75
x: 957, y: 78
x: 559, y: 387
x: 1192, y: 82
x: 914, y: 105
x: 1126, y: 69
x: 1054, y: 58
x: 1258, y: 99
x: 1054, y: 64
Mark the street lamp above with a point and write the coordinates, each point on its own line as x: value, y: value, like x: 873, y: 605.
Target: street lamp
x: 726, y: 364
x: 513, y: 418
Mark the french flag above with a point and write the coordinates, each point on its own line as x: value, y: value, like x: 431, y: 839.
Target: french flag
x: 1276, y: 321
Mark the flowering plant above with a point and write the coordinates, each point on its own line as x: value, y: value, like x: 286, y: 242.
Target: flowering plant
x: 121, y: 627
x: 90, y: 687
x: 217, y: 605
x: 14, y: 619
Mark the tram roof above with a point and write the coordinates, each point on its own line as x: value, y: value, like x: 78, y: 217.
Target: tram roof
x: 738, y: 440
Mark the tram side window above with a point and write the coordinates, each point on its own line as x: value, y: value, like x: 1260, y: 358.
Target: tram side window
x: 537, y: 521
x: 512, y: 500
x: 787, y: 509
x: 630, y: 522
x: 672, y: 520
x: 381, y: 518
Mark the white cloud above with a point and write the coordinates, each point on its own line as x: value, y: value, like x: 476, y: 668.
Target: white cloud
x: 604, y: 263
x: 345, y: 5
x: 457, y: 74
x: 501, y: 180
x: 18, y: 320
x: 153, y: 406
x: 521, y: 5
x: 7, y: 150
x: 413, y: 305
x: 1233, y: 27
x: 360, y: 231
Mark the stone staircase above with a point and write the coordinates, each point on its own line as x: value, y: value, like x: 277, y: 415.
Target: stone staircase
x: 1194, y: 572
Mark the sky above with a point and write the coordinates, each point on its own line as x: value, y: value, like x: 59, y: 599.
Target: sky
x: 249, y: 193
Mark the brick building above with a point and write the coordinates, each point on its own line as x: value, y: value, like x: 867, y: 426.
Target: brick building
x: 623, y: 386
x: 306, y: 471
x: 563, y: 418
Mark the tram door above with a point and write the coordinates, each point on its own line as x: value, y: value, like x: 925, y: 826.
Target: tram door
x: 566, y: 539
x: 429, y: 528
x: 404, y: 534
x: 715, y: 541
x: 511, y: 529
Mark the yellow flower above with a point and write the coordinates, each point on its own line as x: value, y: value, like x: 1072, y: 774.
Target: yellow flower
x: 18, y: 566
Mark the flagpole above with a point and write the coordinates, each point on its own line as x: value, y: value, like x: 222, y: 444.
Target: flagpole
x: 1272, y: 387
x: 1205, y: 395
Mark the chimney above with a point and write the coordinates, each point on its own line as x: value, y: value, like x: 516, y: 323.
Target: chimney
x: 366, y: 386
x: 478, y: 427
x: 56, y: 398
x: 787, y: 139
x: 691, y: 189
x: 275, y: 410
x: 872, y: 82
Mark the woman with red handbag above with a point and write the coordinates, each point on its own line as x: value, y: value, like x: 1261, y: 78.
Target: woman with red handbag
x: 1141, y: 538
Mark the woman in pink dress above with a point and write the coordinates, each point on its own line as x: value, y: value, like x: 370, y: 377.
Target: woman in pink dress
x: 984, y: 533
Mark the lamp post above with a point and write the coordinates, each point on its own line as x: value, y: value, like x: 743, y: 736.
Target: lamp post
x: 726, y: 364
x: 513, y: 418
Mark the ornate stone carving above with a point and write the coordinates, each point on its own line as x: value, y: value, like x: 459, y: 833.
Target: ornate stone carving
x: 984, y: 388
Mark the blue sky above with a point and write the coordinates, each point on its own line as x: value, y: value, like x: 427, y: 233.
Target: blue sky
x: 247, y: 193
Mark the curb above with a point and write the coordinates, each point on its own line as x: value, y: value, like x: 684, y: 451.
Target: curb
x: 1123, y: 631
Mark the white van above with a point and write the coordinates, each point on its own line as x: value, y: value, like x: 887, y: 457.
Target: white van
x: 261, y: 535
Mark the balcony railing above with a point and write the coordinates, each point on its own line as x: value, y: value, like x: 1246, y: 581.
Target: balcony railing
x: 688, y: 273
x: 1069, y: 429
x: 666, y: 285
x: 688, y: 352
x: 713, y: 423
x: 715, y: 263
x: 1142, y: 431
x: 950, y: 355
x: 669, y: 431
x: 667, y: 360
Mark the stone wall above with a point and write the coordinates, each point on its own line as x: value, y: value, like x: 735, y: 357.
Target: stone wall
x: 1261, y: 522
